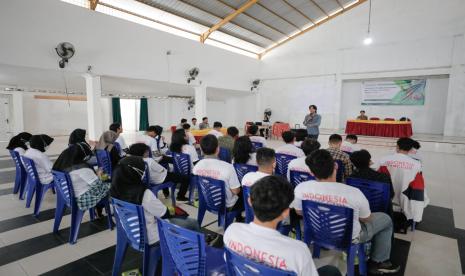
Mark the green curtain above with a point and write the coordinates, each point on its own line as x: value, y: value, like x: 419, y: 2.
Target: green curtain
x: 116, y: 107
x: 144, y: 115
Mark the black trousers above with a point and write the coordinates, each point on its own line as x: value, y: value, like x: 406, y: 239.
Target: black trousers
x: 183, y: 180
x: 313, y: 136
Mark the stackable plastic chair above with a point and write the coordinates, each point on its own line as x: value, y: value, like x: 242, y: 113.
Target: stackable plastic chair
x: 243, y: 169
x: 374, y: 118
x: 34, y: 185
x: 155, y: 188
x: 297, y: 177
x: 340, y: 171
x: 66, y: 199
x: 21, y: 175
x: 249, y: 215
x: 212, y: 198
x: 257, y: 145
x: 238, y: 265
x: 118, y: 148
x: 330, y: 226
x: 282, y: 162
x: 131, y: 231
x: 104, y: 161
x: 225, y: 155
x: 377, y: 193
x: 389, y: 119
x: 182, y: 165
x: 187, y: 252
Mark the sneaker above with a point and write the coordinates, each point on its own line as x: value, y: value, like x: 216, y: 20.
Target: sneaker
x: 383, y: 268
x: 182, y: 198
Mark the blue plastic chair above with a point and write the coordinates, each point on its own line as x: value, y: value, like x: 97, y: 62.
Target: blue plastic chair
x: 282, y: 162
x: 243, y: 169
x: 182, y: 165
x: 155, y: 188
x: 249, y: 215
x: 330, y: 226
x: 104, y: 161
x: 340, y: 171
x: 377, y: 193
x: 118, y: 148
x: 257, y: 145
x: 224, y: 155
x: 212, y: 198
x: 34, y: 185
x: 297, y: 177
x: 238, y: 265
x: 131, y: 231
x: 21, y: 175
x: 66, y: 198
x: 187, y: 252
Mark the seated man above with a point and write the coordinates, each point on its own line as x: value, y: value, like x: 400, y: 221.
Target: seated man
x: 308, y: 146
x: 289, y: 148
x: 211, y: 166
x: 204, y: 124
x: 266, y: 161
x: 415, y: 152
x: 270, y: 198
x: 254, y: 136
x: 300, y: 136
x: 154, y: 140
x: 190, y: 136
x: 216, y: 129
x: 407, y: 179
x: 335, y: 141
x: 350, y: 144
x: 362, y: 115
x: 194, y: 125
x: 362, y: 162
x: 367, y: 226
x: 183, y: 121
x: 118, y: 128
x: 227, y: 141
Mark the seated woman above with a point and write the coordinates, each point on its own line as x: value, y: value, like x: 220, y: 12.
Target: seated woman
x: 243, y: 151
x: 158, y: 174
x: 106, y: 142
x: 127, y: 186
x: 77, y: 136
x: 89, y: 190
x: 19, y: 142
x: 180, y: 144
x: 39, y: 144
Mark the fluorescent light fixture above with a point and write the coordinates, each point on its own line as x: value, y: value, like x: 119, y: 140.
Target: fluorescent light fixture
x: 368, y: 40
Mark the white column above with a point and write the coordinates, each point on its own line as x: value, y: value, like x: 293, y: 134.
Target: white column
x: 259, y: 110
x: 18, y: 115
x: 94, y: 109
x: 200, y: 102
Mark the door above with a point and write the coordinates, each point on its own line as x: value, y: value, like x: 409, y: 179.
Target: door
x: 5, y: 120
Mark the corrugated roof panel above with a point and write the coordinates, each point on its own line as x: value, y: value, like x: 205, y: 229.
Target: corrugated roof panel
x: 243, y: 34
x: 271, y: 19
x: 252, y: 24
x: 235, y: 3
x: 309, y: 8
x: 328, y: 5
x: 212, y: 6
x: 286, y: 10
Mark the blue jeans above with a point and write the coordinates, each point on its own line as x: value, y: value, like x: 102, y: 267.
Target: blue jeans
x: 379, y: 231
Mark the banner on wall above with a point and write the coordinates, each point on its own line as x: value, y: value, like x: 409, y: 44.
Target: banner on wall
x: 395, y: 92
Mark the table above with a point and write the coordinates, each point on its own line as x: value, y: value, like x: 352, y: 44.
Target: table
x: 379, y: 128
x: 279, y: 128
x: 198, y: 134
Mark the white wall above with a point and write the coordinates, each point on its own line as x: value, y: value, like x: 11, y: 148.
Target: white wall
x: 429, y: 118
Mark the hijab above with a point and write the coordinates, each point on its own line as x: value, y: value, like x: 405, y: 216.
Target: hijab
x: 40, y: 142
x: 77, y: 136
x: 107, y: 140
x: 73, y: 158
x: 19, y: 141
x: 127, y: 184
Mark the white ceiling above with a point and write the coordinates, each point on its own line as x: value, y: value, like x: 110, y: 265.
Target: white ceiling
x: 34, y: 79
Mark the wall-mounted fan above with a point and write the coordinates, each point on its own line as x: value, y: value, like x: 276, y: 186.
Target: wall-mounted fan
x: 65, y: 50
x: 267, y: 115
x: 190, y: 103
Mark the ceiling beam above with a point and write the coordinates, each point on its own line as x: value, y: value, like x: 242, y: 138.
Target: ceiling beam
x: 319, y: 7
x: 279, y: 16
x: 93, y: 4
x: 311, y: 27
x: 340, y: 5
x: 228, y: 18
x: 298, y: 11
x: 61, y: 98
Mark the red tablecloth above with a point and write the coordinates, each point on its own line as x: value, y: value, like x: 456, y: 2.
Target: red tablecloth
x: 279, y: 128
x: 379, y: 128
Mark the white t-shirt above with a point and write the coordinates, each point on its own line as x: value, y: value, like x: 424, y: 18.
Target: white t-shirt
x: 216, y: 133
x: 258, y: 139
x: 298, y: 144
x: 290, y: 149
x: 349, y: 147
x: 149, y: 141
x: 43, y: 165
x: 297, y: 164
x: 270, y: 247
x: 157, y: 172
x: 191, y: 137
x: 335, y: 194
x: 218, y: 169
x: 253, y: 159
x: 82, y: 179
x: 19, y: 150
x: 153, y: 208
x: 251, y: 177
x: 121, y: 142
x: 189, y: 149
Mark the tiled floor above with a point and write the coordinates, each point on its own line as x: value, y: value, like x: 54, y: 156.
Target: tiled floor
x: 437, y: 247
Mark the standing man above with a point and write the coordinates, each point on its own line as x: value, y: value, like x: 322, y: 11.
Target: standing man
x: 312, y: 121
